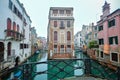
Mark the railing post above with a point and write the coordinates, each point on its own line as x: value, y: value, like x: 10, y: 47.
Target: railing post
x: 27, y: 72
x: 87, y: 66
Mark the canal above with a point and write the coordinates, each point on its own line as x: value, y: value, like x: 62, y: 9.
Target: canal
x: 96, y: 69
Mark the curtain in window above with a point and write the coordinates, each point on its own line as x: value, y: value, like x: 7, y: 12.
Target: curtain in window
x: 55, y: 35
x: 55, y: 23
x: 8, y: 27
x: 14, y: 29
x: 68, y: 35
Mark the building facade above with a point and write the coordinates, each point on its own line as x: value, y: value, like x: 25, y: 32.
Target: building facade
x: 34, y: 45
x: 87, y: 34
x: 15, y: 35
x: 78, y: 40
x: 109, y: 37
x: 61, y: 32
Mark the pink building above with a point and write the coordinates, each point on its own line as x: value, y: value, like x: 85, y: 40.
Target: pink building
x: 109, y: 37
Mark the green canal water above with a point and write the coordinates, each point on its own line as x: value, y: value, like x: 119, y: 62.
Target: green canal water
x: 97, y: 70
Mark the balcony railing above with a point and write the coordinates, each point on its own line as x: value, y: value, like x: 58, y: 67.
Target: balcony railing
x: 68, y: 50
x: 14, y: 35
x: 55, y: 50
x: 61, y: 50
x: 61, y: 15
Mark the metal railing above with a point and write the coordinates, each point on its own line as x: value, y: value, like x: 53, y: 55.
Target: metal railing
x: 56, y: 69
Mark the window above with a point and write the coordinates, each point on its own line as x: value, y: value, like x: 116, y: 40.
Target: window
x: 68, y: 23
x: 113, y: 40
x: 80, y: 39
x: 62, y: 25
x: 95, y: 28
x: 21, y: 46
x: 55, y: 11
x: 68, y: 11
x: 55, y: 35
x: 80, y: 35
x: 101, y: 41
x: 25, y: 22
x: 25, y: 45
x: 55, y: 46
x: 15, y: 10
x: 100, y: 28
x: 55, y: 23
x: 62, y: 46
x: 61, y: 11
x: 10, y: 4
x: 17, y: 28
x: 8, y: 27
x: 111, y: 23
x: 20, y: 16
x: 24, y: 32
x: 95, y: 36
x: 68, y: 35
x: 14, y: 29
x: 14, y: 26
x: 69, y: 46
x: 114, y: 57
x: 101, y: 54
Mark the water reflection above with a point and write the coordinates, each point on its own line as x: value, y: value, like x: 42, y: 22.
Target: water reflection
x: 41, y: 67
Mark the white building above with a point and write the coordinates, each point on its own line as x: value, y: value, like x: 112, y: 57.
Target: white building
x: 78, y: 40
x: 14, y: 33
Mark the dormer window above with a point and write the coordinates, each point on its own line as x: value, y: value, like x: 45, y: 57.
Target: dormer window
x: 68, y: 11
x: 61, y: 11
x: 55, y: 11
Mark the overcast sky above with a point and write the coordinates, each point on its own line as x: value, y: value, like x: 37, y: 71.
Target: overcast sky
x: 85, y: 12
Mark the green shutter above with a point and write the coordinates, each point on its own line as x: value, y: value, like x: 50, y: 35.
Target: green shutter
x: 110, y: 40
x: 116, y: 40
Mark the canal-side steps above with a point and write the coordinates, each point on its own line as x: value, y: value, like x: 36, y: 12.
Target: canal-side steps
x: 83, y: 78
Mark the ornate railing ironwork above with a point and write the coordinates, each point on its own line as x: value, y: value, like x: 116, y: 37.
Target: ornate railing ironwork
x: 57, y: 68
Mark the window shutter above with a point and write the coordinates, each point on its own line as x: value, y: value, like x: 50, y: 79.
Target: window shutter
x: 110, y: 40
x: 116, y: 40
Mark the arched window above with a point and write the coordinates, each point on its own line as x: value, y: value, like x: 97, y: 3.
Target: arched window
x: 14, y: 28
x: 17, y: 28
x: 68, y: 35
x: 55, y: 35
x: 9, y: 48
x: 55, y: 23
x: 9, y: 27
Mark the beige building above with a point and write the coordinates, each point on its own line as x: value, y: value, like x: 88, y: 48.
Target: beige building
x: 61, y: 33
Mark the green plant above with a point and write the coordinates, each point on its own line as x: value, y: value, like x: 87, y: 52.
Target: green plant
x: 93, y: 44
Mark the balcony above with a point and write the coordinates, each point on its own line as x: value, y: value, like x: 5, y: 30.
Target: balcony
x: 69, y: 42
x: 68, y: 50
x: 61, y: 15
x: 14, y: 35
x: 62, y: 50
x: 62, y: 27
x: 55, y: 50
